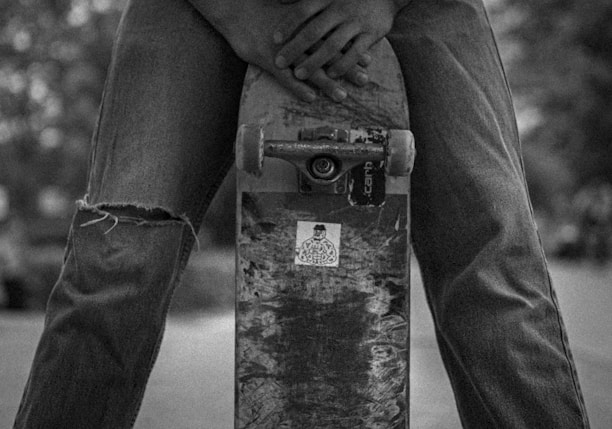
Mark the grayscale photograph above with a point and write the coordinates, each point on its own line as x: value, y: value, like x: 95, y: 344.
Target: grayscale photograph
x: 305, y: 214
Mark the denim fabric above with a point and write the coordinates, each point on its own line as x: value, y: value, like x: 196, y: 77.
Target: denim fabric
x: 497, y: 320
x: 163, y: 144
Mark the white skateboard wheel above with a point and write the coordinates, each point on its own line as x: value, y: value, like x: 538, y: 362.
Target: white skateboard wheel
x: 400, y: 153
x: 250, y: 149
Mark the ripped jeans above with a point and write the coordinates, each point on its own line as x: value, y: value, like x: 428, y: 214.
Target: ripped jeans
x: 162, y: 145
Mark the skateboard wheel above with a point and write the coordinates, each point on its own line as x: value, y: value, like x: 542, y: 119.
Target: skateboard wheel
x: 400, y: 153
x: 250, y: 149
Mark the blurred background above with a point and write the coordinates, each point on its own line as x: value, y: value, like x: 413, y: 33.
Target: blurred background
x: 53, y: 60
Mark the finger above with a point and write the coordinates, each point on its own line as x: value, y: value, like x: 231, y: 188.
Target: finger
x: 328, y: 86
x: 357, y: 75
x: 352, y: 57
x: 319, y: 79
x: 306, y: 38
x: 329, y: 50
x: 298, y: 88
x: 296, y: 17
x: 364, y: 60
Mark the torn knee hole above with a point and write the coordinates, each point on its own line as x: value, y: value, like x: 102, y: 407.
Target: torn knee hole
x: 152, y: 215
x: 133, y: 214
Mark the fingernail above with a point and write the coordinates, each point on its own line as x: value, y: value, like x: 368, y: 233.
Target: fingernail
x: 301, y: 73
x: 281, y: 62
x: 362, y: 78
x: 278, y: 37
x: 339, y: 94
x: 332, y: 74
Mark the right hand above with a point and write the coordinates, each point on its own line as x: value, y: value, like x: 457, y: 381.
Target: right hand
x: 336, y: 33
x: 248, y: 26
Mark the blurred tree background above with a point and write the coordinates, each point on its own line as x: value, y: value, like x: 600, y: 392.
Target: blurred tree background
x: 53, y: 60
x: 54, y: 56
x: 558, y: 55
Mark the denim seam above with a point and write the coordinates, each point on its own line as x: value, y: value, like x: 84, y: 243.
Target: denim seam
x: 94, y: 144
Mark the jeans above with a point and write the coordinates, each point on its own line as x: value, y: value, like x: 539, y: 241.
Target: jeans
x: 161, y: 147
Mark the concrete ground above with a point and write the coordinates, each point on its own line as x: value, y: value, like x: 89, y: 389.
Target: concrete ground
x: 192, y: 384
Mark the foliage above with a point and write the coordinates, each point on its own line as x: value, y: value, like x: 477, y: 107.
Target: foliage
x: 559, y: 59
x: 53, y: 59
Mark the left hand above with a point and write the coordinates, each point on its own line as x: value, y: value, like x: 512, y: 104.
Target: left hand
x: 336, y: 33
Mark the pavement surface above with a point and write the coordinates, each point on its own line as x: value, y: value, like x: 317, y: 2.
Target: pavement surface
x: 192, y: 383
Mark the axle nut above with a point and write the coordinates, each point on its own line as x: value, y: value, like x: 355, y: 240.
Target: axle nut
x: 324, y: 168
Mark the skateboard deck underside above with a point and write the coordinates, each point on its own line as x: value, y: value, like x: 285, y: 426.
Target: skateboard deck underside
x: 322, y: 292
x: 322, y: 347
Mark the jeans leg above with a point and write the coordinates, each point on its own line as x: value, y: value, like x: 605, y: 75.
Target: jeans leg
x: 162, y: 146
x: 497, y: 320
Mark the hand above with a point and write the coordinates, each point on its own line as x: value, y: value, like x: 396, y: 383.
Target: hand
x: 245, y: 24
x: 347, y: 29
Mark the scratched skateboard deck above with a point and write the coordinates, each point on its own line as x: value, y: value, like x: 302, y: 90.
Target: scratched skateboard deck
x: 322, y: 284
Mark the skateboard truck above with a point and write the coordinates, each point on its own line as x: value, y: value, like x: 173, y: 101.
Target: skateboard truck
x: 324, y: 155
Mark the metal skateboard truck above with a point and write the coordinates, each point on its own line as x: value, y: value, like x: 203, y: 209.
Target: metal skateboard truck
x: 325, y: 154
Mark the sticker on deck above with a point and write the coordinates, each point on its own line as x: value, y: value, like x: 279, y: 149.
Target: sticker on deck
x: 317, y: 244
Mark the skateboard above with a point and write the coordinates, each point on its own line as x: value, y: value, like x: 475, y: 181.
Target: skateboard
x: 322, y: 278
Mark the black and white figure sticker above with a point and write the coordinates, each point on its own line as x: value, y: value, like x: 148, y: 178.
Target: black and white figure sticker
x: 317, y: 244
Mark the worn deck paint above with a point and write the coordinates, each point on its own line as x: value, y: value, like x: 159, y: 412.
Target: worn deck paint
x: 321, y: 346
